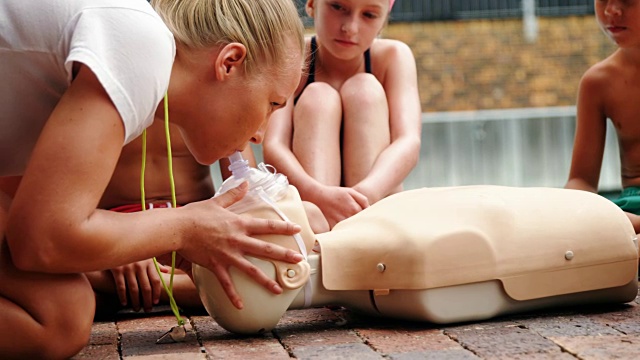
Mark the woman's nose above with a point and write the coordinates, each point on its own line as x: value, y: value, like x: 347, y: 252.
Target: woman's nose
x: 259, y: 134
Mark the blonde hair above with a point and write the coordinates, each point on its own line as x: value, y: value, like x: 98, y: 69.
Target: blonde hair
x: 265, y: 27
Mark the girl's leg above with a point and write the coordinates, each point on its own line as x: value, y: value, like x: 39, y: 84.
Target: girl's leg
x: 316, y: 132
x: 41, y: 315
x: 366, y: 126
x: 317, y: 221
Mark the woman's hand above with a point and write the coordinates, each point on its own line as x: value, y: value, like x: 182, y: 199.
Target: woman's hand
x: 220, y: 239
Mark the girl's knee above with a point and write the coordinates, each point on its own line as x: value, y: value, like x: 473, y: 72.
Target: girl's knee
x: 319, y: 96
x: 319, y: 100
x: 317, y: 221
x: 363, y: 88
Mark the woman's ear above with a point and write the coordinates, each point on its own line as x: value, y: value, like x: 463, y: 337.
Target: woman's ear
x: 229, y: 60
x: 309, y: 7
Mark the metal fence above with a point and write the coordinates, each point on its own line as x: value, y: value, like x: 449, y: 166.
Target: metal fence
x: 511, y: 147
x: 439, y: 10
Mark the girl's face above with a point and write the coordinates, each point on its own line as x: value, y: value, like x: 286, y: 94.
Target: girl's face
x: 620, y: 20
x: 347, y: 28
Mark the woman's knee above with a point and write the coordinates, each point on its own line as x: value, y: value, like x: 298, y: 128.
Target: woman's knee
x: 364, y: 90
x: 64, y: 318
x: 69, y: 329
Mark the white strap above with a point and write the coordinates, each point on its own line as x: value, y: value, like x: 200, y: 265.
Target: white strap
x: 297, y: 237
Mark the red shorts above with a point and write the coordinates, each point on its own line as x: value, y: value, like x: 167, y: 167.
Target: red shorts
x: 138, y: 207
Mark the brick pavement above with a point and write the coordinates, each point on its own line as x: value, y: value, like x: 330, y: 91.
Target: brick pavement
x: 602, y: 332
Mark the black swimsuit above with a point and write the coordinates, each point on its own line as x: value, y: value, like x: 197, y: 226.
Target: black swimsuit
x: 312, y: 65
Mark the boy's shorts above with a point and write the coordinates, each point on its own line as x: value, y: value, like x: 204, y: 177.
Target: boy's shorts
x: 629, y: 200
x: 138, y: 207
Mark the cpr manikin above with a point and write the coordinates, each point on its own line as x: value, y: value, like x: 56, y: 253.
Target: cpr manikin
x: 440, y: 255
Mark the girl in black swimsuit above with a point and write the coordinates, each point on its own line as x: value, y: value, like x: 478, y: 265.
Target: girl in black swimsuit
x: 351, y: 133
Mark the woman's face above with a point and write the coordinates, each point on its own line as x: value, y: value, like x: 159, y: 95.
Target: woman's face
x: 224, y: 116
x: 347, y: 28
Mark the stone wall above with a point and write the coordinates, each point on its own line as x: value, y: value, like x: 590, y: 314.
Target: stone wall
x: 488, y: 64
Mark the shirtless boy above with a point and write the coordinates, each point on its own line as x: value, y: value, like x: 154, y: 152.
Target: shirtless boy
x: 138, y: 284
x: 610, y: 90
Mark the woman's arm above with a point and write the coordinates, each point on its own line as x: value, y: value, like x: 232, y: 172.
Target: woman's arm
x: 53, y: 224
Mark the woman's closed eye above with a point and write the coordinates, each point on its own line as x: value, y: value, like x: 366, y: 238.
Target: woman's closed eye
x: 277, y: 105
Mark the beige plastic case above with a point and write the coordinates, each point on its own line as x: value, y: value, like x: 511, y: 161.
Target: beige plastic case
x: 453, y: 254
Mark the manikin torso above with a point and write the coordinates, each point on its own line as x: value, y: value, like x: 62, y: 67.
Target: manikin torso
x: 442, y: 255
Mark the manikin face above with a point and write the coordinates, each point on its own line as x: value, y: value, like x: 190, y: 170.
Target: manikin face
x: 347, y: 28
x: 224, y: 117
x: 620, y: 20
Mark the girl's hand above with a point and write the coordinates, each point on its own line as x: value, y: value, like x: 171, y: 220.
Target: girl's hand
x: 139, y: 280
x: 220, y: 239
x: 338, y: 203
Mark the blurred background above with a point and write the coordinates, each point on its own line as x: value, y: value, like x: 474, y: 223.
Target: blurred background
x: 498, y: 83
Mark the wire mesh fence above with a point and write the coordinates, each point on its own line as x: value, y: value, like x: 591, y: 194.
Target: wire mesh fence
x: 438, y: 10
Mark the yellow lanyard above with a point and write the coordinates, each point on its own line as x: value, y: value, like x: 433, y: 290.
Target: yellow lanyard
x: 168, y: 289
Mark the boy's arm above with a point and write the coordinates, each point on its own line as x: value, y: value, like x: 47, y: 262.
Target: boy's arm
x: 395, y: 163
x: 588, y: 147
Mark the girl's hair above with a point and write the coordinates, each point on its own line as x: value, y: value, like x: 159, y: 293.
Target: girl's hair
x: 265, y: 27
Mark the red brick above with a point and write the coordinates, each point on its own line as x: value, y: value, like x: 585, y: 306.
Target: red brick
x: 388, y: 341
x: 102, y: 352
x: 221, y: 344
x: 602, y: 347
x: 139, y: 335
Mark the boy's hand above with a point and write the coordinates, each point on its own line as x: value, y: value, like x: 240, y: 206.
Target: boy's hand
x: 139, y: 280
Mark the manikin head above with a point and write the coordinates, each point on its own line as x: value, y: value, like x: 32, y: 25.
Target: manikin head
x: 236, y: 62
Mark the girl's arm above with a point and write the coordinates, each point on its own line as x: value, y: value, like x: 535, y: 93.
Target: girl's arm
x: 336, y: 203
x: 277, y: 149
x: 588, y: 147
x: 400, y: 82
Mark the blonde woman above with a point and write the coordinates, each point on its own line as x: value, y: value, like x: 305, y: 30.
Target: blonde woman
x: 82, y: 78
